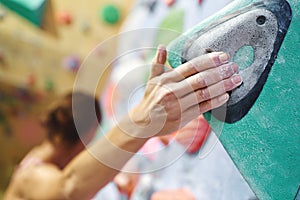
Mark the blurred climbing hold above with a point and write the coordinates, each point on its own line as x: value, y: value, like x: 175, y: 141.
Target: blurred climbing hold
x: 110, y: 14
x: 85, y: 27
x: 49, y: 85
x: 30, y: 80
x: 72, y: 63
x: 64, y: 17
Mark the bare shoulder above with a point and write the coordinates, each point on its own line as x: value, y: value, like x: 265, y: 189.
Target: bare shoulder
x: 34, y: 182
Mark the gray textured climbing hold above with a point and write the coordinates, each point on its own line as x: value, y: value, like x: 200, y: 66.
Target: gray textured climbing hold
x: 263, y: 26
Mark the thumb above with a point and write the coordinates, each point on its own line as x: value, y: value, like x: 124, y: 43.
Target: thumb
x: 158, y: 61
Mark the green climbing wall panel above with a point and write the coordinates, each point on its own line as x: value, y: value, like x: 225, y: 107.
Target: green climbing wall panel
x: 265, y: 144
x: 32, y: 10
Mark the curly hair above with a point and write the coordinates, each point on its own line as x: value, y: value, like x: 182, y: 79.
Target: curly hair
x: 68, y: 117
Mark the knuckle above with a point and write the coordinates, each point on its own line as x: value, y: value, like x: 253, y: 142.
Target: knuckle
x: 219, y: 58
x: 192, y: 64
x: 228, y: 85
x: 197, y: 63
x: 215, y: 60
x: 203, y: 94
x: 201, y: 80
x: 225, y: 71
x: 205, y: 106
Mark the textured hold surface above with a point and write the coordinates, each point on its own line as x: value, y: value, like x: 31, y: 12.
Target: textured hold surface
x: 244, y: 57
x: 265, y: 144
x: 261, y: 28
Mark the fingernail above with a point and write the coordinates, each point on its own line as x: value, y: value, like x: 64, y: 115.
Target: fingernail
x: 157, y: 54
x: 224, y: 97
x: 223, y: 58
x: 161, y: 49
x: 236, y: 79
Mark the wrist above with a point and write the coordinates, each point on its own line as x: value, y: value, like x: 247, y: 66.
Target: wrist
x: 131, y: 136
x: 134, y: 125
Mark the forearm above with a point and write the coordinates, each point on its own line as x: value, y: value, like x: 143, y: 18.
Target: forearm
x: 95, y: 167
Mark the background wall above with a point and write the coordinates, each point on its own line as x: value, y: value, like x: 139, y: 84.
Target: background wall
x: 39, y: 61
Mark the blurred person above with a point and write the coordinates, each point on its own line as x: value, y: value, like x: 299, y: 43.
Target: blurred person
x: 61, y: 168
x: 61, y: 145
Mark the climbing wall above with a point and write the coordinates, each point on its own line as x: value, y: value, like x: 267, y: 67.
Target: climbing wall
x: 42, y: 44
x: 264, y: 144
x: 45, y: 52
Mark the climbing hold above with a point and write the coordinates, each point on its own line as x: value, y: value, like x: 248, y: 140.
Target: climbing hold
x: 85, y: 27
x: 72, y: 63
x: 259, y: 32
x: 169, y: 2
x: 31, y: 80
x: 64, y: 17
x: 49, y: 85
x: 110, y: 14
x: 193, y: 135
x: 33, y: 10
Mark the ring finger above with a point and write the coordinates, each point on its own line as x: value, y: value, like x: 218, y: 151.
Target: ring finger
x: 210, y: 92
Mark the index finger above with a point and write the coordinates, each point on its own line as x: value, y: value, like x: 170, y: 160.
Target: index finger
x: 201, y: 63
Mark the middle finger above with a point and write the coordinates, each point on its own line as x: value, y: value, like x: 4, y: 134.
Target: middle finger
x: 205, y: 78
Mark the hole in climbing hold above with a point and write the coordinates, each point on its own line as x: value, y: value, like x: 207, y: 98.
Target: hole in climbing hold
x: 244, y: 57
x: 260, y: 20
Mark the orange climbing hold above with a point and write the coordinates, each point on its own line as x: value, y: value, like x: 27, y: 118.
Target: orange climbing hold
x: 64, y: 17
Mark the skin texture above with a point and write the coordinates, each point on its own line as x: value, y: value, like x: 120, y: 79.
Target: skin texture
x: 172, y: 99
